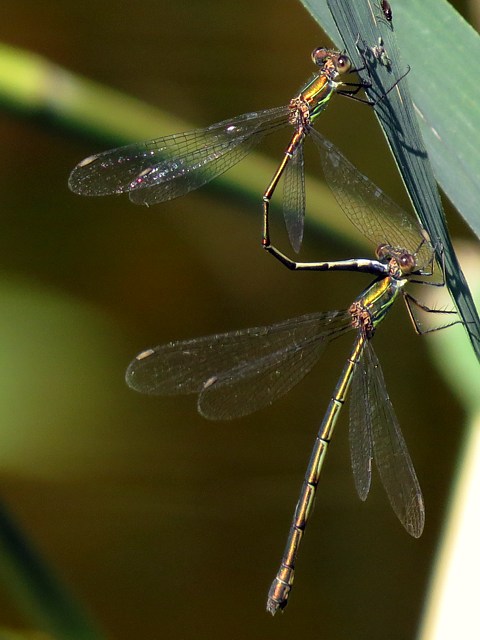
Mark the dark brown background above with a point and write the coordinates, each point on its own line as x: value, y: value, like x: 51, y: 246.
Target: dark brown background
x: 166, y: 525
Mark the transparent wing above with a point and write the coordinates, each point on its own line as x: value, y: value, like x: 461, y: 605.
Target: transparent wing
x: 294, y: 198
x: 238, y: 372
x: 146, y: 169
x: 368, y: 207
x: 389, y: 449
x: 360, y: 436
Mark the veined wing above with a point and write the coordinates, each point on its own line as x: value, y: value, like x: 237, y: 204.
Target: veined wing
x: 294, y: 198
x: 361, y: 454
x: 192, y: 159
x: 239, y: 372
x: 382, y: 436
x: 368, y: 207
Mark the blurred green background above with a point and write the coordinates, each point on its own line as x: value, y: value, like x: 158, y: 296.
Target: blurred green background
x: 164, y: 524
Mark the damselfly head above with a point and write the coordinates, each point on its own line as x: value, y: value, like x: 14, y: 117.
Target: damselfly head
x: 340, y: 62
x: 398, y: 258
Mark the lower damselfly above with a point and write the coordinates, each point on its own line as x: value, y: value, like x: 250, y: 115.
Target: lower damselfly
x: 166, y: 168
x: 239, y: 372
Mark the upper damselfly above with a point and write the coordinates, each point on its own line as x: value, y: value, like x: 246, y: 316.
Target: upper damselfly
x: 169, y: 167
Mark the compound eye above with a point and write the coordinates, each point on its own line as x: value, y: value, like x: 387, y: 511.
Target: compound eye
x: 343, y: 64
x: 407, y: 262
x: 319, y: 56
x: 383, y: 251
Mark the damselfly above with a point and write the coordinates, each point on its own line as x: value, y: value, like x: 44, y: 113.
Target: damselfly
x: 239, y: 372
x: 169, y: 167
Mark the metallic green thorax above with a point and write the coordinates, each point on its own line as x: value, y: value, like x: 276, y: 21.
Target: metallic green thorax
x: 370, y: 308
x: 316, y: 94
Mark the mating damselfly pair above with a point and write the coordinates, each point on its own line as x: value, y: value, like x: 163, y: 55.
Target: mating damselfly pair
x: 238, y: 372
